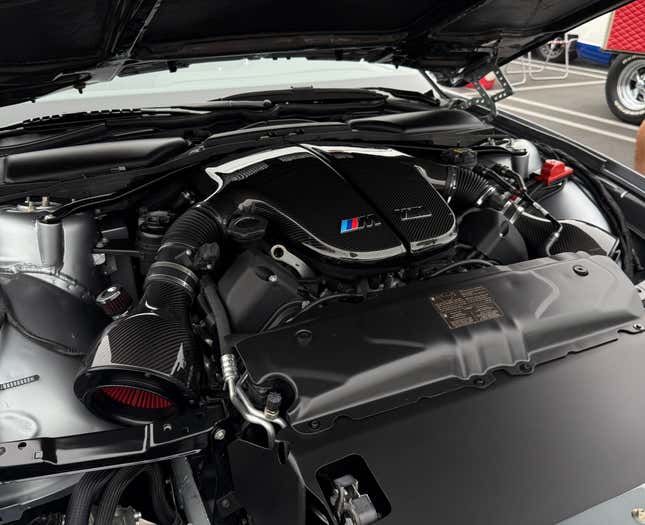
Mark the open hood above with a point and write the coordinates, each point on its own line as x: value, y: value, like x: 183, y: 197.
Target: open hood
x: 47, y: 45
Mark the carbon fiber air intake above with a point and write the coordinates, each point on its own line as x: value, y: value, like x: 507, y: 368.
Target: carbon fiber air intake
x: 145, y: 366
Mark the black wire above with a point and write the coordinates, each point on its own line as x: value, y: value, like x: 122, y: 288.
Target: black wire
x: 325, y: 299
x: 457, y: 264
x: 276, y: 314
x: 540, y: 193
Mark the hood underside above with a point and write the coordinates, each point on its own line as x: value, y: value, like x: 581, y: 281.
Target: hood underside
x: 47, y: 45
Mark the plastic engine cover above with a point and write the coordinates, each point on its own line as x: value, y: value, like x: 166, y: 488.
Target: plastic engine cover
x: 448, y: 333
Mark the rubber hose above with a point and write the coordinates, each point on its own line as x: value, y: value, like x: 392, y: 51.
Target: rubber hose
x: 83, y: 495
x: 165, y: 513
x: 220, y: 315
x: 114, y: 491
x: 121, y: 480
x: 195, y: 227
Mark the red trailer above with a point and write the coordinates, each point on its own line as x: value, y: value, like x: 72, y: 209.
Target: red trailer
x: 625, y: 87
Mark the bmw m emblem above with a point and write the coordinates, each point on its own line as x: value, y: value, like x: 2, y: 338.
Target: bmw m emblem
x: 359, y: 223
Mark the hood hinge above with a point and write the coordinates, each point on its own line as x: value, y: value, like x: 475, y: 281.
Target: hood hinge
x: 489, y: 102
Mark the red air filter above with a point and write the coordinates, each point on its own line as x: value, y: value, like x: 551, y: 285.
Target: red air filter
x: 136, y: 397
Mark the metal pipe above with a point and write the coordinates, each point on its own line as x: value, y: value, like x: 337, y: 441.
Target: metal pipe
x: 241, y: 402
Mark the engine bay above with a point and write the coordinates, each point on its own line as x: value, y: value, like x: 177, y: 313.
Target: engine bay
x: 235, y: 317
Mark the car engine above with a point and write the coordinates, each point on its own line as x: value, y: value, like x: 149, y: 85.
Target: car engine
x: 238, y: 318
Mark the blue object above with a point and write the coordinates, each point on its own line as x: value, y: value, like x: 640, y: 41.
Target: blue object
x: 348, y: 225
x: 593, y: 53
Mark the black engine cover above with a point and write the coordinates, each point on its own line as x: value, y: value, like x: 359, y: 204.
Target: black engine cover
x: 528, y: 450
x: 448, y: 333
x: 349, y: 204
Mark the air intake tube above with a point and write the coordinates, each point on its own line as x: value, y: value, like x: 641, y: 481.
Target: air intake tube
x: 145, y: 366
x: 470, y: 187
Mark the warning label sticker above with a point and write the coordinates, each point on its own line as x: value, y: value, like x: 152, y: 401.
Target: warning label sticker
x: 466, y: 307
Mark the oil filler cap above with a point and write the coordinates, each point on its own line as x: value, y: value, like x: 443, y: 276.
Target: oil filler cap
x: 247, y: 228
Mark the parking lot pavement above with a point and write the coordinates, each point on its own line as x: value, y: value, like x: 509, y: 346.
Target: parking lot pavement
x: 574, y: 106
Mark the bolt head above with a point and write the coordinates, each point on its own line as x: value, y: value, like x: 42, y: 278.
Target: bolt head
x: 637, y: 326
x: 304, y: 337
x: 580, y: 270
x: 219, y: 434
x: 167, y: 427
x: 638, y: 514
x: 273, y: 278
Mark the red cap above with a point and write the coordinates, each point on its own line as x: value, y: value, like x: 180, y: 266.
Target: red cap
x: 553, y: 170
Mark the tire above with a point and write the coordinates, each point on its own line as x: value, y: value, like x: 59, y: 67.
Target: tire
x: 554, y: 53
x: 625, y: 88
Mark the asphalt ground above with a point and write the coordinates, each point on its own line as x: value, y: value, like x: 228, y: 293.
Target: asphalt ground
x: 571, y: 102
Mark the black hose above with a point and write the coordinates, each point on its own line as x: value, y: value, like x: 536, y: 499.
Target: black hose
x: 121, y: 480
x: 114, y: 491
x: 84, y: 494
x: 219, y: 313
x: 469, y: 186
x: 164, y: 511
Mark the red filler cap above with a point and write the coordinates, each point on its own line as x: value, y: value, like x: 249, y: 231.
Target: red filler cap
x: 553, y: 170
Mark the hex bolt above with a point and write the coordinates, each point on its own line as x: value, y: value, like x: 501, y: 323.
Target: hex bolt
x: 219, y: 434
x: 479, y: 382
x: 638, y: 514
x: 304, y: 337
x: 526, y: 368
x: 638, y: 327
x: 580, y: 270
x: 273, y: 278
x: 314, y: 424
x: 225, y: 503
x: 167, y: 427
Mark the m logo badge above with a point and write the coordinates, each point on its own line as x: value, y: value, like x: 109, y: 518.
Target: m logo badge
x: 359, y: 223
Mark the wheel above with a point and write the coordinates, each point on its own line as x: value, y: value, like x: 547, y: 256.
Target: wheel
x: 554, y: 52
x: 625, y: 88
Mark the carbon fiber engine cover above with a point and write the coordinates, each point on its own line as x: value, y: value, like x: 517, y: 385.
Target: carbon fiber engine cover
x: 349, y: 204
